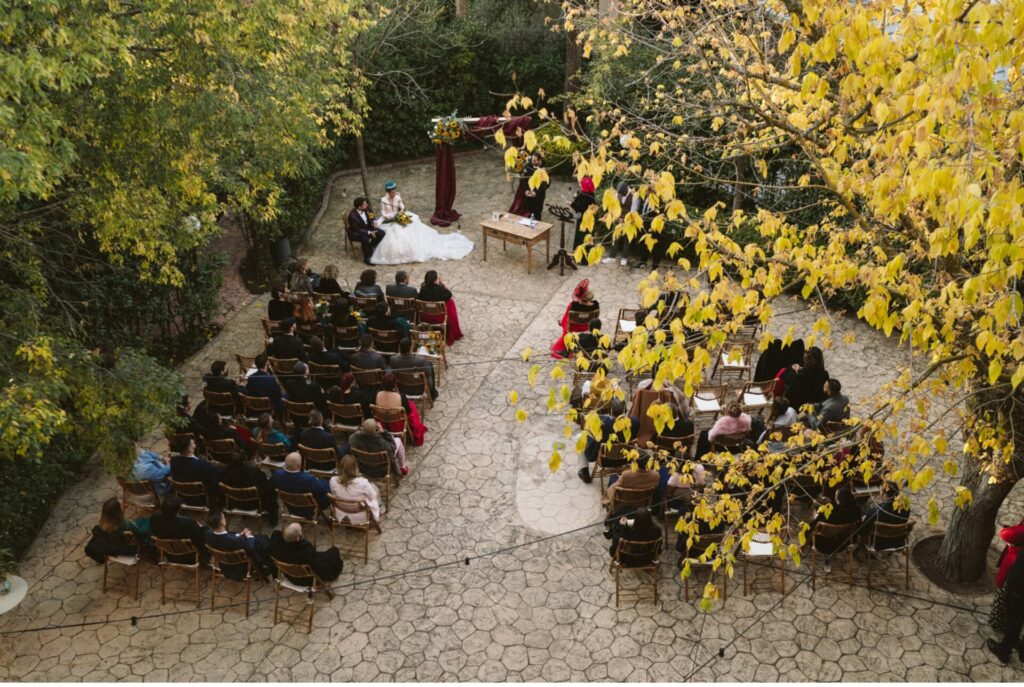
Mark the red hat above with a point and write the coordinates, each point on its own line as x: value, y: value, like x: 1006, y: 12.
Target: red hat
x: 587, y: 185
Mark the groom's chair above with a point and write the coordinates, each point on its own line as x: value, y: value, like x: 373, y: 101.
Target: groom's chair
x: 349, y: 245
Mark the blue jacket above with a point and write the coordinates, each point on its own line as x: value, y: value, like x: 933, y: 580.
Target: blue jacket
x: 302, y: 482
x: 150, y: 467
x: 264, y: 385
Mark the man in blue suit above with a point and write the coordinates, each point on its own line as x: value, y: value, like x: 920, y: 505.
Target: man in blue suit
x: 256, y: 546
x: 262, y: 384
x: 292, y: 479
x: 186, y: 467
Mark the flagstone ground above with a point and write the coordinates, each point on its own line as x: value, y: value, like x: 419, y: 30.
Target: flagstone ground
x: 535, y: 606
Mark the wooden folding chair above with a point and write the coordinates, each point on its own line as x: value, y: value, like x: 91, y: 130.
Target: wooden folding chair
x: 628, y: 555
x: 171, y: 549
x: 139, y: 494
x: 430, y: 344
x: 433, y: 315
x: 886, y: 531
x: 679, y: 447
x: 843, y: 534
x: 350, y: 246
x: 271, y: 455
x: 219, y: 559
x: 733, y: 362
x: 194, y: 499
x: 325, y: 375
x: 414, y: 384
x: 389, y: 417
x: 322, y: 462
x: 625, y: 323
x: 345, y: 417
x: 338, y: 517
x: 762, y: 546
x: 578, y: 318
x: 694, y: 555
x: 707, y: 403
x: 633, y: 499
x: 368, y: 379
x: 254, y: 406
x: 610, y: 461
x: 756, y: 397
x: 286, y: 572
x: 281, y: 368
x: 376, y: 467
x: 219, y: 451
x: 346, y: 338
x: 297, y: 414
x: 271, y: 327
x: 130, y: 562
x: 364, y: 303
x: 306, y: 501
x: 245, y: 363
x: 385, y: 341
x: 241, y: 502
x: 403, y: 307
x: 731, y: 443
x: 223, y: 403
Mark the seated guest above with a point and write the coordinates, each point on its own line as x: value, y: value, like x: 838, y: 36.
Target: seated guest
x: 110, y: 538
x: 302, y: 389
x: 279, y: 308
x: 186, y: 467
x: 382, y: 319
x: 305, y: 314
x: 329, y: 282
x: 401, y: 288
x: 315, y: 436
x: 805, y: 383
x: 893, y: 510
x: 844, y: 512
x: 285, y: 344
x: 390, y: 397
x: 367, y: 286
x: 166, y: 523
x: 583, y: 301
x: 218, y: 381
x: 240, y: 475
x: 339, y: 312
x: 185, y: 421
x: 372, y: 438
x: 302, y: 280
x: 216, y: 428
x: 321, y: 355
x: 262, y: 384
x: 682, y: 426
x: 154, y: 468
x: 349, y: 485
x: 256, y: 546
x: 617, y: 410
x: 366, y: 358
x: 639, y: 526
x: 266, y: 433
x: 349, y: 392
x: 835, y: 408
x: 678, y: 397
x: 433, y: 290
x: 704, y: 527
x: 641, y: 478
x: 734, y: 422
x: 642, y: 401
x: 780, y: 416
x: 290, y: 547
x: 405, y: 359
x: 293, y: 479
x: 589, y: 342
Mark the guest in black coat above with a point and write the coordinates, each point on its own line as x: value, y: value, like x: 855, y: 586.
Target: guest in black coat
x: 315, y: 436
x: 240, y: 475
x: 435, y: 292
x: 638, y: 527
x: 366, y: 358
x: 187, y: 467
x: 844, y: 512
x: 349, y: 392
x: 583, y: 200
x: 535, y: 198
x: 891, y: 511
x: 290, y: 547
x: 256, y: 546
x: 111, y: 536
x: 302, y: 389
x: 401, y: 288
x: 806, y: 383
x: 218, y: 380
x: 286, y: 345
x: 328, y: 284
x: 262, y: 384
x: 167, y: 524
x: 279, y: 308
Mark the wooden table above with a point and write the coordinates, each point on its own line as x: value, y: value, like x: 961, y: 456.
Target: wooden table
x: 508, y: 230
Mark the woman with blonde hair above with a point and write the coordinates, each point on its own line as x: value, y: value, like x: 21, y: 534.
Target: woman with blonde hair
x: 328, y: 284
x: 349, y: 485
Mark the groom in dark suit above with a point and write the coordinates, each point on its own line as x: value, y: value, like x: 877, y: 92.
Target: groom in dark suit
x: 362, y: 230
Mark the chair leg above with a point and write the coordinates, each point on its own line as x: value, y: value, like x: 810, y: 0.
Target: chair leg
x: 248, y: 593
x: 163, y: 584
x: 138, y: 565
x: 617, y: 571
x: 686, y: 587
x: 213, y: 590
x: 849, y: 563
x: 869, y: 570
x: 277, y: 600
x: 782, y: 575
x: 106, y: 570
x: 199, y: 598
x: 745, y: 559
x: 366, y: 544
x: 312, y: 606
x: 906, y: 565
x: 814, y: 567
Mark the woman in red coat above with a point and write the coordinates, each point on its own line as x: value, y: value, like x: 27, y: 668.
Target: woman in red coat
x: 582, y: 301
x: 1014, y: 538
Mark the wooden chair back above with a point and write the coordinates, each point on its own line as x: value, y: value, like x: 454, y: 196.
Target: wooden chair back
x: 682, y: 445
x: 390, y: 417
x: 579, y: 318
x: 176, y: 548
x: 298, y: 413
x: 271, y: 452
x: 733, y: 443
x: 403, y: 307
x: 220, y: 558
x: 883, y: 530
x: 629, y: 551
x: 140, y: 494
x: 319, y: 461
x: 222, y: 402
x: 841, y: 535
x: 756, y: 396
x: 627, y: 315
x: 241, y: 500
x: 414, y: 384
x: 220, y: 450
x: 193, y: 496
x: 708, y: 400
x: 623, y: 497
x: 325, y: 375
x: 245, y: 363
x: 385, y: 341
x: 347, y: 416
x: 271, y: 327
x: 346, y: 338
x: 281, y: 367
x: 254, y: 406
x: 435, y: 312
x: 376, y: 467
x: 367, y: 379
x: 293, y: 503
x: 364, y: 303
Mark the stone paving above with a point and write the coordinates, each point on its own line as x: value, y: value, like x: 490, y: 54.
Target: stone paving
x: 542, y: 608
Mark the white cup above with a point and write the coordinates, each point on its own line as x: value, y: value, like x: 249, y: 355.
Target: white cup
x: 495, y: 215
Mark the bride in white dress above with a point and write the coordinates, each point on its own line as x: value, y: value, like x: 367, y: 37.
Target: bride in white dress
x: 416, y: 241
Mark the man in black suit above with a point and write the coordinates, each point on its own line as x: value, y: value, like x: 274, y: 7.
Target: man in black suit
x: 302, y: 389
x: 406, y: 360
x: 587, y: 341
x: 255, y: 545
x: 262, y: 384
x: 401, y: 288
x: 279, y: 308
x: 361, y: 228
x: 366, y: 358
x: 287, y: 345
x: 186, y: 467
x: 315, y: 436
x: 321, y: 355
x: 167, y: 524
x: 218, y: 380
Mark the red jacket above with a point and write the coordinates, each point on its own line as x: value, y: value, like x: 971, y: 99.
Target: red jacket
x: 1014, y: 538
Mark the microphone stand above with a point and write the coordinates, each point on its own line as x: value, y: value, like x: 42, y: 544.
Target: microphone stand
x: 562, y: 257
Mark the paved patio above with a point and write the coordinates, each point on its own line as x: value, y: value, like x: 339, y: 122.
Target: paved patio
x: 529, y: 605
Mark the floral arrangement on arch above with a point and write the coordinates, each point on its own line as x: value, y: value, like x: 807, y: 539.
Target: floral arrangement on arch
x: 446, y: 130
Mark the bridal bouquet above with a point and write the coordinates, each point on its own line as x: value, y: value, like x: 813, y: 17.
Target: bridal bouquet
x: 403, y: 218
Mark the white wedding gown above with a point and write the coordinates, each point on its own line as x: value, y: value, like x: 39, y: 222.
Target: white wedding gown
x: 416, y: 241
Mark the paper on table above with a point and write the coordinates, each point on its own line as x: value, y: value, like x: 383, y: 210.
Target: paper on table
x: 626, y: 326
x: 526, y: 222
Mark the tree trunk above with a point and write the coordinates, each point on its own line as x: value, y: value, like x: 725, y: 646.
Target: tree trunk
x: 964, y: 551
x: 460, y: 8
x: 361, y: 155
x: 573, y: 61
x: 740, y: 193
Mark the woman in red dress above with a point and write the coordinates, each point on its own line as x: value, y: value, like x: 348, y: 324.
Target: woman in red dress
x: 434, y: 290
x: 390, y: 397
x: 582, y: 301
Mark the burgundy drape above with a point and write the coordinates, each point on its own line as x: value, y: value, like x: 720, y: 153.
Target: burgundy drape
x: 444, y: 187
x: 488, y: 124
